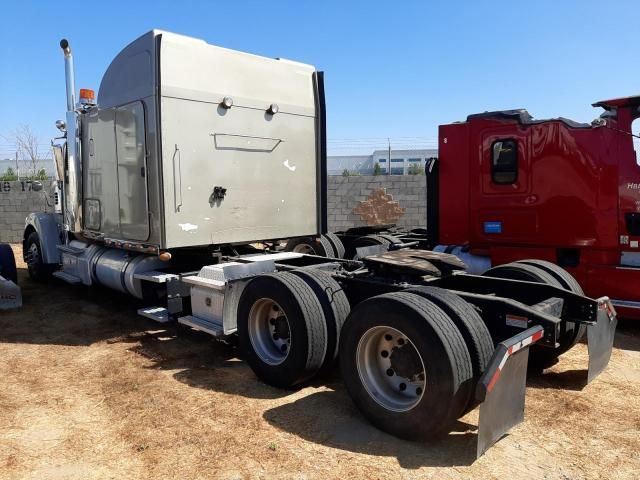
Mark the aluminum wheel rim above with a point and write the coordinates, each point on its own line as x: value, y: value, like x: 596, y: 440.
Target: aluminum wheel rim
x: 304, y: 248
x: 33, y: 256
x: 388, y: 388
x: 269, y: 331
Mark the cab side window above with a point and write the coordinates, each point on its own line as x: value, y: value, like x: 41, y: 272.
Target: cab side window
x: 504, y: 162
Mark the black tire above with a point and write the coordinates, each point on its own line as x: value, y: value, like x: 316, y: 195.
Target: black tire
x: 38, y: 270
x: 539, y: 357
x: 470, y: 324
x: 307, y: 328
x: 8, y: 268
x: 335, y: 307
x: 568, y: 282
x: 325, y: 249
x: 368, y: 241
x: 565, y: 278
x: 521, y: 271
x: 336, y: 243
x: 448, y: 374
x: 311, y: 246
x: 389, y: 238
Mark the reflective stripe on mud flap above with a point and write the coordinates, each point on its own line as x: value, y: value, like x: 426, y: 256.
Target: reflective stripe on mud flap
x: 502, y: 404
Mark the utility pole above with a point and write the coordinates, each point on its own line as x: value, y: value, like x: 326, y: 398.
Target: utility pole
x: 389, y: 159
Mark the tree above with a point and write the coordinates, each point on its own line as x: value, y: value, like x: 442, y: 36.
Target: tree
x: 377, y: 169
x: 41, y: 175
x: 9, y: 175
x: 415, y: 169
x: 28, y: 150
x: 348, y: 173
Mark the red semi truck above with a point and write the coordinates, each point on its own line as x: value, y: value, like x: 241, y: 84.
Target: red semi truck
x: 507, y: 187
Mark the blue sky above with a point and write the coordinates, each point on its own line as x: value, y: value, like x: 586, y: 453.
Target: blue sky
x: 393, y: 69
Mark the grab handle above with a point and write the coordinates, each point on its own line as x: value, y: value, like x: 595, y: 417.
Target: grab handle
x: 177, y: 180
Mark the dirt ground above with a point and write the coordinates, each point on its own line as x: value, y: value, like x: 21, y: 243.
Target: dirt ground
x: 89, y: 390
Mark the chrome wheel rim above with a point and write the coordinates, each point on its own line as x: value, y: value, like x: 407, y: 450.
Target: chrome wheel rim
x: 390, y: 368
x: 304, y: 248
x: 269, y: 331
x: 33, y: 256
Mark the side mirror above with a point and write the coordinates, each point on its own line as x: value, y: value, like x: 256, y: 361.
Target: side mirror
x: 36, y: 186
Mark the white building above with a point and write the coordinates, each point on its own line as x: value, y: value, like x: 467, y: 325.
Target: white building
x: 399, y: 162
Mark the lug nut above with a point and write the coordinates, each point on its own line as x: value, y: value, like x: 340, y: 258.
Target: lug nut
x: 390, y: 372
x: 276, y: 308
x: 418, y: 391
x: 403, y: 387
x: 283, y: 348
x: 388, y: 337
x: 384, y: 354
x: 275, y: 336
x: 401, y: 341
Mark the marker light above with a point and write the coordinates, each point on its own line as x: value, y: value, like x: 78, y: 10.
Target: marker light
x: 87, y: 96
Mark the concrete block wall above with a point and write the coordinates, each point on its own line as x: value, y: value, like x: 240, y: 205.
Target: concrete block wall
x: 367, y: 199
x: 351, y: 201
x: 17, y: 200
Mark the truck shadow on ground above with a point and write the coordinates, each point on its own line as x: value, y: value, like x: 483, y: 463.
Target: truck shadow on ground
x: 628, y: 335
x: 59, y: 314
x: 573, y: 379
x: 329, y: 418
x: 326, y: 417
x: 201, y: 362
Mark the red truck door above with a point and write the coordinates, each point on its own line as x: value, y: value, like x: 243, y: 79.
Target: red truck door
x: 504, y: 194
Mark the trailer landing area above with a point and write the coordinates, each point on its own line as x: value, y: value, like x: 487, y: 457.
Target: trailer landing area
x: 90, y: 390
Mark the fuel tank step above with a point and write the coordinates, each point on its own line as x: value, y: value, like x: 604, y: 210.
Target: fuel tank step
x: 157, y: 314
x: 202, y: 325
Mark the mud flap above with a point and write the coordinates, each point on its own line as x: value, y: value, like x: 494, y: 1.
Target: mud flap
x: 10, y: 295
x: 501, y: 388
x: 600, y: 338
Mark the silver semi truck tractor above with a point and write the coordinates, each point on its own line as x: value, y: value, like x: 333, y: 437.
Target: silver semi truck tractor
x: 179, y: 183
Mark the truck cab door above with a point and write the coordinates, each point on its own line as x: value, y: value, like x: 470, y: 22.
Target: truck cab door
x: 504, y: 176
x: 132, y: 168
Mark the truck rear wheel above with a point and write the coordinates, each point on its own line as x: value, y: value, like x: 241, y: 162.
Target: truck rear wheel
x: 568, y: 282
x: 325, y: 248
x: 560, y: 274
x: 368, y: 241
x: 38, y: 270
x: 335, y: 307
x: 470, y: 324
x: 301, y: 245
x: 8, y: 268
x: 282, y: 330
x: 539, y: 357
x: 311, y: 246
x: 336, y: 243
x: 405, y: 365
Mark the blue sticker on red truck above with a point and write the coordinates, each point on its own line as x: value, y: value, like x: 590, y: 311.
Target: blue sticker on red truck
x: 492, y: 227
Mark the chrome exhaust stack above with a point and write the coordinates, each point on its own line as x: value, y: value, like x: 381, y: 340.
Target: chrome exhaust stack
x: 72, y: 190
x: 69, y: 75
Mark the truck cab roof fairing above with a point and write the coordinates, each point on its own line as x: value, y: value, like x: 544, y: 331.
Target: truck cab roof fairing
x: 131, y: 74
x: 523, y: 117
x: 618, y: 102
